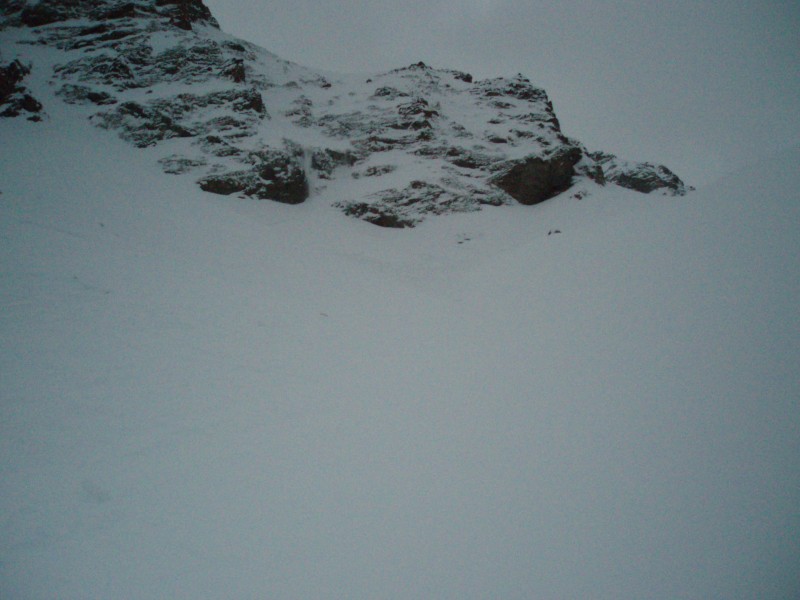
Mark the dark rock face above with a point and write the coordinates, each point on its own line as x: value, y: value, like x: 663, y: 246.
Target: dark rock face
x: 180, y: 13
x: 283, y: 177
x: 48, y: 12
x: 14, y: 96
x: 536, y: 179
x: 10, y: 77
x: 275, y: 175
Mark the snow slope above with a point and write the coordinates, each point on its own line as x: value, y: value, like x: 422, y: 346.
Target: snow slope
x: 207, y: 397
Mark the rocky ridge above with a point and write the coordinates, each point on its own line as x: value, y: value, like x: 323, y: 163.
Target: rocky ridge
x: 391, y: 149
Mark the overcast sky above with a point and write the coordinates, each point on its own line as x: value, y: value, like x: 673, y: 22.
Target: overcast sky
x: 699, y: 86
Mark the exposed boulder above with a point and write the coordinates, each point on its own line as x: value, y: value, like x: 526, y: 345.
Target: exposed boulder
x: 538, y: 178
x: 10, y: 78
x: 282, y: 175
x: 276, y: 174
x: 15, y: 99
x: 641, y: 177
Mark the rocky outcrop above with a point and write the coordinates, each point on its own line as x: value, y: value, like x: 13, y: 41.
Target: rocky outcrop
x: 184, y: 115
x: 410, y: 206
x: 412, y: 143
x: 183, y: 13
x: 143, y: 125
x: 274, y: 175
x: 641, y: 177
x: 15, y: 99
x: 178, y: 13
x: 535, y: 179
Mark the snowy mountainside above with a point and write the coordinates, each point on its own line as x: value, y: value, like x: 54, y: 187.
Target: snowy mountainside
x: 211, y: 398
x: 390, y: 148
x: 204, y: 396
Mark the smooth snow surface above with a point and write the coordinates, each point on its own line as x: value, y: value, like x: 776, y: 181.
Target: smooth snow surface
x: 203, y: 397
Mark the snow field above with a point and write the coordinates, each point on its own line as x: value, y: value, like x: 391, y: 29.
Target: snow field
x: 209, y: 397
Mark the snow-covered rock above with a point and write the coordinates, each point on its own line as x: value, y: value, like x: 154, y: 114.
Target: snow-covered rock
x: 14, y: 97
x: 410, y: 143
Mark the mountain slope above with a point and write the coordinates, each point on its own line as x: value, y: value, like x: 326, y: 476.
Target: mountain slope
x: 390, y: 148
x: 203, y: 396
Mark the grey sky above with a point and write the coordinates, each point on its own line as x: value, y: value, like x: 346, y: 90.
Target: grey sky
x: 702, y: 87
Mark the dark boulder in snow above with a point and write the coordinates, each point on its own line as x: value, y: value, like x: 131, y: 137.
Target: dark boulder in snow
x: 282, y: 175
x: 275, y: 175
x: 538, y: 178
x: 10, y: 77
x: 14, y: 96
